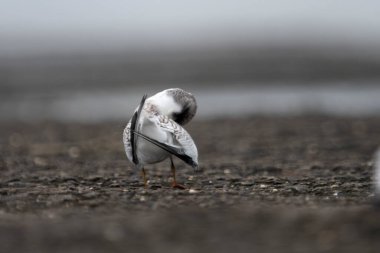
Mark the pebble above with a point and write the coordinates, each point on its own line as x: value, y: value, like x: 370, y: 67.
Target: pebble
x: 227, y: 171
x: 246, y: 183
x: 193, y: 191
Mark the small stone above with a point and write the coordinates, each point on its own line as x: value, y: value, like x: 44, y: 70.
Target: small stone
x: 246, y: 183
x: 262, y: 186
x: 193, y: 191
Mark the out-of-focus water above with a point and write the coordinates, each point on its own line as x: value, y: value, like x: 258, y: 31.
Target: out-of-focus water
x: 93, y: 106
x: 50, y: 26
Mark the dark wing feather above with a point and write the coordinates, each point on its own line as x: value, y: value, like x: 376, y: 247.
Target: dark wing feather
x: 134, y: 127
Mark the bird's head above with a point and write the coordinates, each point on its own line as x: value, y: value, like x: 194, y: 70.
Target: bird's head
x: 175, y: 103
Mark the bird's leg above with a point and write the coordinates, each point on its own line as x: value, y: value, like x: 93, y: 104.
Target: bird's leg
x: 144, y: 177
x: 174, y: 184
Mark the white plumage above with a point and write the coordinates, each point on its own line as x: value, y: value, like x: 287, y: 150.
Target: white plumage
x: 155, y: 133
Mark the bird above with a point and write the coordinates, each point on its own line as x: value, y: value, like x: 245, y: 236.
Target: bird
x: 155, y: 132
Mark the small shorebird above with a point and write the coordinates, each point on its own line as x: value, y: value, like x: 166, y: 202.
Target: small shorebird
x: 155, y: 131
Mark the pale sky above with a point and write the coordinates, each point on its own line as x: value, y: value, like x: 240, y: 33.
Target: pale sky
x: 52, y: 24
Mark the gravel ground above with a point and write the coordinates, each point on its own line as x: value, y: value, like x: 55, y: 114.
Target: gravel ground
x: 267, y: 184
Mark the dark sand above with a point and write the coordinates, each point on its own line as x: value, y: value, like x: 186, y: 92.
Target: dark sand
x: 267, y: 184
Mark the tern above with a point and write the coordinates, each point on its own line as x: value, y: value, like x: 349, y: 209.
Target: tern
x: 155, y: 132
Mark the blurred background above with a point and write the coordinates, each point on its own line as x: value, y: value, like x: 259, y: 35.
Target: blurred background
x: 295, y: 175
x: 92, y: 60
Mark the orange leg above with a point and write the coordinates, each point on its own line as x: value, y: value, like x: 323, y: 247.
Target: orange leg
x: 143, y: 174
x: 174, y: 184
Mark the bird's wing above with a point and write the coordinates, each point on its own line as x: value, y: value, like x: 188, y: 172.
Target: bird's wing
x: 127, y: 141
x: 182, y: 145
x: 129, y: 138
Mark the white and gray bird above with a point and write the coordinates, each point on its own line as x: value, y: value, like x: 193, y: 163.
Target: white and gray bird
x: 155, y: 132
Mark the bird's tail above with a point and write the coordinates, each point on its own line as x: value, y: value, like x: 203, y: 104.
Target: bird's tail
x: 134, y: 127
